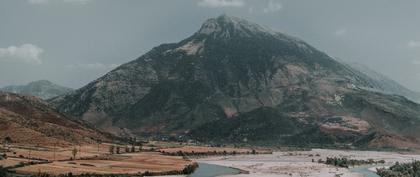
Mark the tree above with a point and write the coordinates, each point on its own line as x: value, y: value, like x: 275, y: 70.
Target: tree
x: 111, y: 149
x: 99, y: 143
x: 140, y: 146
x: 74, y: 152
x: 118, y: 149
x: 254, y: 151
x: 6, y: 142
x: 3, y: 171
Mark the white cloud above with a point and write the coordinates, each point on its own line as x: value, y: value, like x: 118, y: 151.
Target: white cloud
x: 273, y: 6
x: 221, y: 3
x: 27, y: 52
x: 413, y: 44
x: 65, y: 1
x: 340, y: 32
x: 93, y: 66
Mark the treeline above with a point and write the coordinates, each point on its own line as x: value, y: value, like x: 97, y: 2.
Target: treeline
x: 401, y: 170
x: 208, y: 153
x: 346, y: 163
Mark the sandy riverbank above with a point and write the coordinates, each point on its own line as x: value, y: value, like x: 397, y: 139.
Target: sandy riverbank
x: 299, y: 163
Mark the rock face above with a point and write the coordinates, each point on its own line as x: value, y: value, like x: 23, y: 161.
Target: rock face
x: 29, y: 120
x: 43, y: 89
x: 236, y: 81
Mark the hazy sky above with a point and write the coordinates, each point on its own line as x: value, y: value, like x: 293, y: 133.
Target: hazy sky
x: 72, y: 42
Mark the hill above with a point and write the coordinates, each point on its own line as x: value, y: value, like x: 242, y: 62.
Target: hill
x: 29, y: 120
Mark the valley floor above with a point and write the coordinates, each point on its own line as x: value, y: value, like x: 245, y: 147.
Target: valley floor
x: 93, y: 158
x: 299, y: 163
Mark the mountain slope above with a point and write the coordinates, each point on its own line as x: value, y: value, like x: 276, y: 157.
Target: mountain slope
x: 28, y: 120
x: 235, y: 81
x: 43, y: 89
x: 385, y: 84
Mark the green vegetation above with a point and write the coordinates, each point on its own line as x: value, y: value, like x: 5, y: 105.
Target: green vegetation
x: 401, y: 170
x: 7, y: 141
x: 3, y: 171
x: 209, y: 153
x: 111, y: 149
x: 346, y: 163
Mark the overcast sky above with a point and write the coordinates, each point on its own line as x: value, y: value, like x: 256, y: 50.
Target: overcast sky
x: 72, y: 42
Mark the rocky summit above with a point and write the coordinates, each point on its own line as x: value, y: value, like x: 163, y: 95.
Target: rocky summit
x: 235, y: 81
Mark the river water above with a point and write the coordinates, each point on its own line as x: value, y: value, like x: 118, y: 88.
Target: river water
x: 209, y: 170
x: 365, y: 171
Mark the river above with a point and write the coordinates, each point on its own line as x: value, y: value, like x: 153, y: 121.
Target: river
x: 365, y: 171
x: 209, y: 170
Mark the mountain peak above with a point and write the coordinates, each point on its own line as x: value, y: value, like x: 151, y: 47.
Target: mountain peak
x: 42, y: 82
x: 228, y: 26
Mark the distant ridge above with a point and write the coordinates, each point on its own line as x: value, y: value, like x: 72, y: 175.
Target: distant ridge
x: 42, y: 88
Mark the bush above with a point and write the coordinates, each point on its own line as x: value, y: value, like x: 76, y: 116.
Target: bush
x: 3, y: 171
x: 344, y: 162
x: 404, y: 170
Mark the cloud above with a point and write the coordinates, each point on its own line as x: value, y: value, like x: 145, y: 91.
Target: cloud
x: 221, y: 3
x: 340, y: 32
x: 65, y: 1
x: 413, y: 44
x: 27, y: 52
x: 93, y: 66
x: 273, y: 6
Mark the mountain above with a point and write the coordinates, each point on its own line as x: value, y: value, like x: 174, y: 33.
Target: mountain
x: 234, y: 81
x: 43, y: 89
x: 27, y: 119
x: 385, y: 84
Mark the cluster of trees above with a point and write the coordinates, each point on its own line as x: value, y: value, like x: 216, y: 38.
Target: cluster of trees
x: 346, y: 163
x: 401, y: 170
x: 115, y: 149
